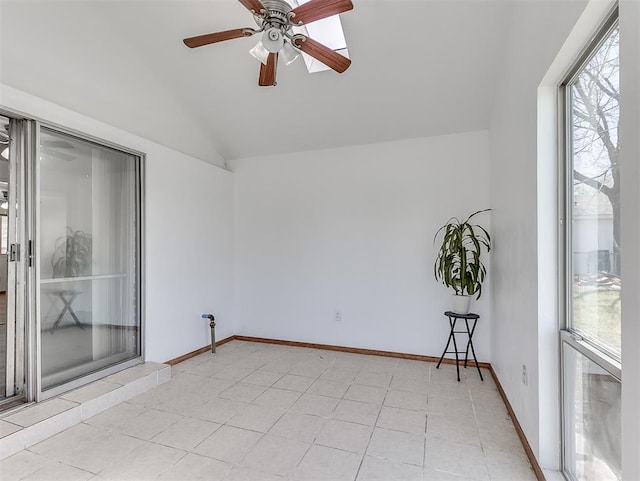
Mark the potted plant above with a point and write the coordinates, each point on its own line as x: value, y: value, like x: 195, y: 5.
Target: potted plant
x: 72, y: 254
x: 458, y: 264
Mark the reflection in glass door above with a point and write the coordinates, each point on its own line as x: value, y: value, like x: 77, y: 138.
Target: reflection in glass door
x: 89, y: 271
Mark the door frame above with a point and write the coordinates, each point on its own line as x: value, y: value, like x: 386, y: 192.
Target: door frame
x: 33, y: 181
x: 18, y: 386
x: 26, y: 193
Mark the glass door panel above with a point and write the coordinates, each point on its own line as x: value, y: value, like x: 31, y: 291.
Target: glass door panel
x: 7, y: 358
x: 592, y: 445
x: 12, y: 261
x: 89, y: 250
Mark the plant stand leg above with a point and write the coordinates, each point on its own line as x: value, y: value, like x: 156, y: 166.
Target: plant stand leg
x: 455, y: 346
x: 447, y: 346
x: 473, y: 351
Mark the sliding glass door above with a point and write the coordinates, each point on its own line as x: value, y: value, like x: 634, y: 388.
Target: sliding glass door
x: 13, y: 262
x: 89, y: 257
x: 591, y: 340
x: 7, y: 326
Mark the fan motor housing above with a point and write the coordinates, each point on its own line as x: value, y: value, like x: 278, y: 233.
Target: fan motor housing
x: 279, y: 6
x: 277, y: 11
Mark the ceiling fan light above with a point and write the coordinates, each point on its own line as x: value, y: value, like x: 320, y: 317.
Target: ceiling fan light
x: 260, y: 52
x: 5, y: 153
x: 4, y: 205
x: 289, y: 54
x: 273, y: 40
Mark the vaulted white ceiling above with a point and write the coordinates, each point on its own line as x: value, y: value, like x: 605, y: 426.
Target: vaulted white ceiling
x: 420, y: 68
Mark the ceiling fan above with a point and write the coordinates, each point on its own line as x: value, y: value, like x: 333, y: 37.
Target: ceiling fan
x: 277, y: 19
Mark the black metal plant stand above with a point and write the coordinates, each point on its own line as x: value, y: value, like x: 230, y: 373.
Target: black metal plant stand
x: 67, y: 297
x: 453, y: 317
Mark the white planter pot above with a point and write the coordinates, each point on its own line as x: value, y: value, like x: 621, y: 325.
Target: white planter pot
x: 461, y: 304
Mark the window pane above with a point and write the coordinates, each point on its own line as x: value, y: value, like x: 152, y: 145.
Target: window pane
x: 593, y: 425
x: 596, y: 198
x: 88, y: 257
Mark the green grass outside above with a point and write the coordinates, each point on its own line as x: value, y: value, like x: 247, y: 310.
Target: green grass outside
x: 596, y: 312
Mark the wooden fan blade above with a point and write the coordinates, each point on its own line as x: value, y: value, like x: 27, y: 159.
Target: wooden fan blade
x: 253, y: 5
x: 318, y: 9
x: 267, y: 76
x: 210, y: 38
x: 324, y: 54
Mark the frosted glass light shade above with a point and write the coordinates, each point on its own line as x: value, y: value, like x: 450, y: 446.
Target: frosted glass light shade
x: 260, y: 52
x: 289, y: 54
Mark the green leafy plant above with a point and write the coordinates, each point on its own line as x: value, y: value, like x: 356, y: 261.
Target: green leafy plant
x: 458, y: 264
x: 72, y: 254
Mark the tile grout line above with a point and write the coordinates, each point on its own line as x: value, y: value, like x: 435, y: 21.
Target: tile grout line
x: 361, y: 368
x: 374, y: 428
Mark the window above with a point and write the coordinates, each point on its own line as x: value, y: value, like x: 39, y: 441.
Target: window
x: 591, y: 340
x: 595, y: 196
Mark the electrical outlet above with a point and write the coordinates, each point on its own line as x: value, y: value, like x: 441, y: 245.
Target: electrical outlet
x: 338, y: 316
x: 525, y: 379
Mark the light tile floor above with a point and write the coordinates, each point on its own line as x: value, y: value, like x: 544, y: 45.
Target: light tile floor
x: 266, y: 412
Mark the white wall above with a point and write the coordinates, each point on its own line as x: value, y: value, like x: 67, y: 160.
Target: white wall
x: 533, y: 338
x: 189, y: 254
x: 76, y: 54
x: 516, y: 332
x: 189, y: 244
x: 351, y: 229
